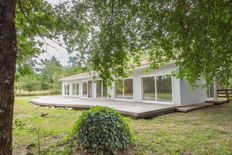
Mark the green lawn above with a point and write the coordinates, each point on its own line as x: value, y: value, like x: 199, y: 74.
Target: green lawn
x: 206, y: 131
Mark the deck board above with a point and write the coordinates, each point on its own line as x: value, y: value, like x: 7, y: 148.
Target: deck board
x: 218, y: 101
x: 193, y: 107
x: 128, y: 108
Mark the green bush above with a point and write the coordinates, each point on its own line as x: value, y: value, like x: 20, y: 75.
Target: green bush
x: 102, y: 130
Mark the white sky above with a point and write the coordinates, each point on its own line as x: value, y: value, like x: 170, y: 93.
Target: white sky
x: 59, y: 52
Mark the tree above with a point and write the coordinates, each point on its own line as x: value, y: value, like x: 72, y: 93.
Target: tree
x: 108, y: 35
x: 34, y: 19
x: 30, y: 82
x: 50, y: 72
x: 8, y: 51
x: 197, y: 35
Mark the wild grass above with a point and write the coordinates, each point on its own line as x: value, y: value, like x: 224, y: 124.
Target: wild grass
x: 205, y: 131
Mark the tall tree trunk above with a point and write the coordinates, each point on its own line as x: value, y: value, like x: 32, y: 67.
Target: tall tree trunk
x: 8, y: 52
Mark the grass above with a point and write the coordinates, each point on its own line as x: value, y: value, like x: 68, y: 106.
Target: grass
x: 206, y: 131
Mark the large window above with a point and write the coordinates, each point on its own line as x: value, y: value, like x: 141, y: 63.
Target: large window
x: 148, y: 88
x: 84, y: 89
x: 66, y: 89
x: 75, y: 89
x: 157, y: 88
x: 124, y: 89
x: 99, y: 88
x: 105, y: 93
x: 128, y: 89
x: 119, y: 88
x: 210, y: 91
x: 89, y: 88
x: 164, y: 88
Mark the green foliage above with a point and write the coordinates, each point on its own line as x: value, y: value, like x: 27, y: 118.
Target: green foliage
x: 35, y: 21
x: 18, y: 123
x: 46, y: 77
x: 204, y: 131
x: 197, y: 35
x: 102, y: 130
x: 51, y: 71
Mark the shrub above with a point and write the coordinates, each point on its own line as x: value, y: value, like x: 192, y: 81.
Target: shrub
x: 102, y: 130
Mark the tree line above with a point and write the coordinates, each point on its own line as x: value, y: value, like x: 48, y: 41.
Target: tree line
x: 45, y: 77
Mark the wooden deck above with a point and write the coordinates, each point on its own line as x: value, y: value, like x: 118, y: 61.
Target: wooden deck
x: 192, y: 107
x: 218, y: 101
x: 128, y: 108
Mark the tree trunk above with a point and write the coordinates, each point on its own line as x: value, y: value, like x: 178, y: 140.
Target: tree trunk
x: 8, y: 52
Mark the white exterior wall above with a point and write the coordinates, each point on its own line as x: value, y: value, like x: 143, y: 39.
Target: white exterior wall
x: 137, y: 87
x: 181, y: 90
x: 191, y: 95
x: 80, y: 88
x: 94, y: 88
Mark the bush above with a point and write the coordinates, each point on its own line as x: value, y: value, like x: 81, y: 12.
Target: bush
x: 102, y: 130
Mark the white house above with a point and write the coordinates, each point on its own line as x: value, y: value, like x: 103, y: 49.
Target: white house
x: 142, y: 85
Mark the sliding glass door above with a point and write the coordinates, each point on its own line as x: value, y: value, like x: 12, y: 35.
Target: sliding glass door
x: 75, y: 89
x: 157, y: 88
x: 128, y: 89
x: 124, y: 89
x: 149, y: 88
x: 89, y: 88
x: 119, y: 89
x: 84, y: 89
x: 99, y: 88
x: 164, y: 88
x: 66, y: 89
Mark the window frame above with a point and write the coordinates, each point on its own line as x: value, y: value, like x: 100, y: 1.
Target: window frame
x: 101, y: 96
x: 82, y: 94
x: 75, y: 85
x: 156, y: 101
x: 102, y: 89
x: 123, y: 91
x: 67, y: 85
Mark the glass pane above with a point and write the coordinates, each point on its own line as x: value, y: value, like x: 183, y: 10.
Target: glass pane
x: 84, y: 89
x: 104, y: 90
x: 148, y: 88
x: 73, y: 89
x: 119, y: 88
x: 99, y: 88
x: 77, y: 89
x: 210, y: 91
x: 128, y: 92
x: 164, y: 88
x: 89, y: 88
x: 66, y: 89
